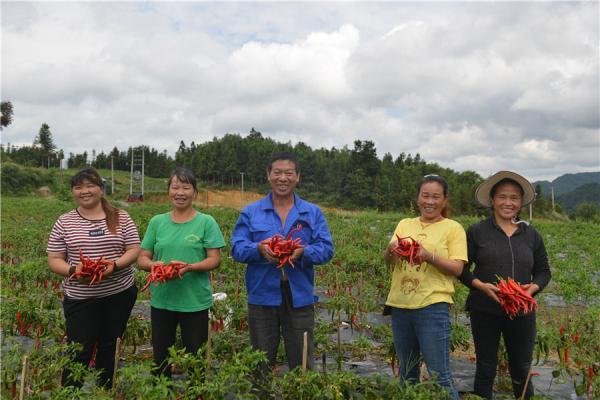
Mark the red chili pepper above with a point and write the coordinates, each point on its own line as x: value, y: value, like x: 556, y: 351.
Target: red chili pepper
x: 92, y: 269
x: 22, y: 328
x: 514, y: 299
x: 161, y: 273
x: 575, y: 337
x: 284, y: 248
x: 591, y: 375
x: 408, y: 249
x: 92, y: 362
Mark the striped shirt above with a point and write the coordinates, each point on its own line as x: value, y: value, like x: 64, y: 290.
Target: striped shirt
x: 72, y: 233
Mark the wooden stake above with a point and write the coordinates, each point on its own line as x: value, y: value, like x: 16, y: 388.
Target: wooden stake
x: 208, y: 346
x: 525, y: 386
x: 23, y: 377
x: 339, y: 323
x: 305, y: 351
x: 116, y: 365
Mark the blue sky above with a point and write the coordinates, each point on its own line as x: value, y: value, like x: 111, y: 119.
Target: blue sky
x: 471, y: 86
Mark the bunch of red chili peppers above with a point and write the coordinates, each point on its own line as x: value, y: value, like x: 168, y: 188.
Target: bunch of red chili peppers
x: 514, y: 299
x: 408, y: 249
x: 91, y: 269
x: 22, y: 327
x: 161, y: 273
x: 284, y: 248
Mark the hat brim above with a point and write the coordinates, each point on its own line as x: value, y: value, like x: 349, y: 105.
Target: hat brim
x: 482, y: 194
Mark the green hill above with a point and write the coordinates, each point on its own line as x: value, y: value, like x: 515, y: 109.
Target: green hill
x: 567, y: 183
x: 586, y: 193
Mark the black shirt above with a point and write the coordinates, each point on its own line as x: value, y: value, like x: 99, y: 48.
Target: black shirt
x: 521, y: 256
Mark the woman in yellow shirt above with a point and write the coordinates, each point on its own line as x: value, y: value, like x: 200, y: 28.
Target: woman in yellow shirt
x: 421, y: 294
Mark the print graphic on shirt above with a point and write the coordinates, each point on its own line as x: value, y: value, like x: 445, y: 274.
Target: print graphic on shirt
x: 191, y: 238
x: 409, y: 285
x: 96, y: 232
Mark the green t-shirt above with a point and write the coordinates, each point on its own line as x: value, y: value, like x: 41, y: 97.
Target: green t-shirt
x: 186, y: 242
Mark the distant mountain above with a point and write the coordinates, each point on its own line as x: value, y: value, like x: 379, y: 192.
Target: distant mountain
x: 589, y: 192
x: 567, y: 183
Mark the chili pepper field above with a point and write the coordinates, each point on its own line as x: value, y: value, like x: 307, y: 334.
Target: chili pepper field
x: 353, y: 345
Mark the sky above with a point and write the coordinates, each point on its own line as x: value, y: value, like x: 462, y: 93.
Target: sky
x: 470, y: 86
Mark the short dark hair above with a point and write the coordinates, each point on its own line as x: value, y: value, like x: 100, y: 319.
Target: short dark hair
x: 184, y: 175
x: 494, y: 188
x: 433, y: 178
x: 284, y: 155
x: 87, y: 174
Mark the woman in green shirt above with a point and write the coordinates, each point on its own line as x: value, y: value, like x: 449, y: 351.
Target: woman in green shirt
x: 190, y: 237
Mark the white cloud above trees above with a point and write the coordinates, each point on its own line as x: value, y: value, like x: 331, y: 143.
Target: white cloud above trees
x: 476, y: 86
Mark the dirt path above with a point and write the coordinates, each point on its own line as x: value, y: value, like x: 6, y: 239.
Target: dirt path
x: 208, y: 198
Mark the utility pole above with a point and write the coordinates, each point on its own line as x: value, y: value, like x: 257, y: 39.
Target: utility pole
x: 112, y: 174
x: 552, y: 188
x: 143, y: 152
x: 242, y: 173
x: 530, y: 212
x: 131, y: 176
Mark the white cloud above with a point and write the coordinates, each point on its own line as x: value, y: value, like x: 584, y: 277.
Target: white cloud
x: 311, y: 67
x: 468, y: 85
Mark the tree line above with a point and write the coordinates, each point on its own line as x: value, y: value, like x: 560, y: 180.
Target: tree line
x: 349, y: 178
x: 343, y: 177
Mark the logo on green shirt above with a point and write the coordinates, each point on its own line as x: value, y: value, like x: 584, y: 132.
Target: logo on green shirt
x: 192, y: 238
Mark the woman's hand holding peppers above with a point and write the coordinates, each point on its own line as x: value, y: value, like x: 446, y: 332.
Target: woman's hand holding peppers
x: 531, y: 288
x: 90, y: 271
x: 160, y: 273
x: 488, y: 288
x: 183, y: 267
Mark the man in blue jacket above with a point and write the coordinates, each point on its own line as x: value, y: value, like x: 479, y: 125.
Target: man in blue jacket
x: 281, y: 299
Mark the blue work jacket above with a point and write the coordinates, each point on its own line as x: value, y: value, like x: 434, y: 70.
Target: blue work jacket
x: 259, y: 221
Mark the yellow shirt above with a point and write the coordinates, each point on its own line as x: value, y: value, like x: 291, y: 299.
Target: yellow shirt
x: 421, y: 285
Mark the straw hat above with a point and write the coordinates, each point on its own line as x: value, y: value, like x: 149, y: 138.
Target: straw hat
x: 482, y: 194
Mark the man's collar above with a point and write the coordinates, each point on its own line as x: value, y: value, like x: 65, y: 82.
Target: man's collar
x: 267, y: 203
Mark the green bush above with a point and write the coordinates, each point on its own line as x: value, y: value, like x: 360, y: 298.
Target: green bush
x: 21, y: 181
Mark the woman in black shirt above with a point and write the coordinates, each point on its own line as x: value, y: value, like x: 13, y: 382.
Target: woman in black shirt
x: 506, y: 247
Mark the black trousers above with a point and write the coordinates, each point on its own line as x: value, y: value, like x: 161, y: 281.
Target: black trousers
x: 97, y: 322
x: 519, y: 340
x: 267, y: 324
x: 194, y: 333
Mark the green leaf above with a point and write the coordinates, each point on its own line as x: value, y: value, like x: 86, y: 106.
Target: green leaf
x: 555, y: 373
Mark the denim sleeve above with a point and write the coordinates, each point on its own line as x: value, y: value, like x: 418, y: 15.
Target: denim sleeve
x: 243, y: 249
x: 320, y: 248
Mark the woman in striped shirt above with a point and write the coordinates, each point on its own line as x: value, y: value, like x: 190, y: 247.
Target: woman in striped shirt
x: 96, y: 314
